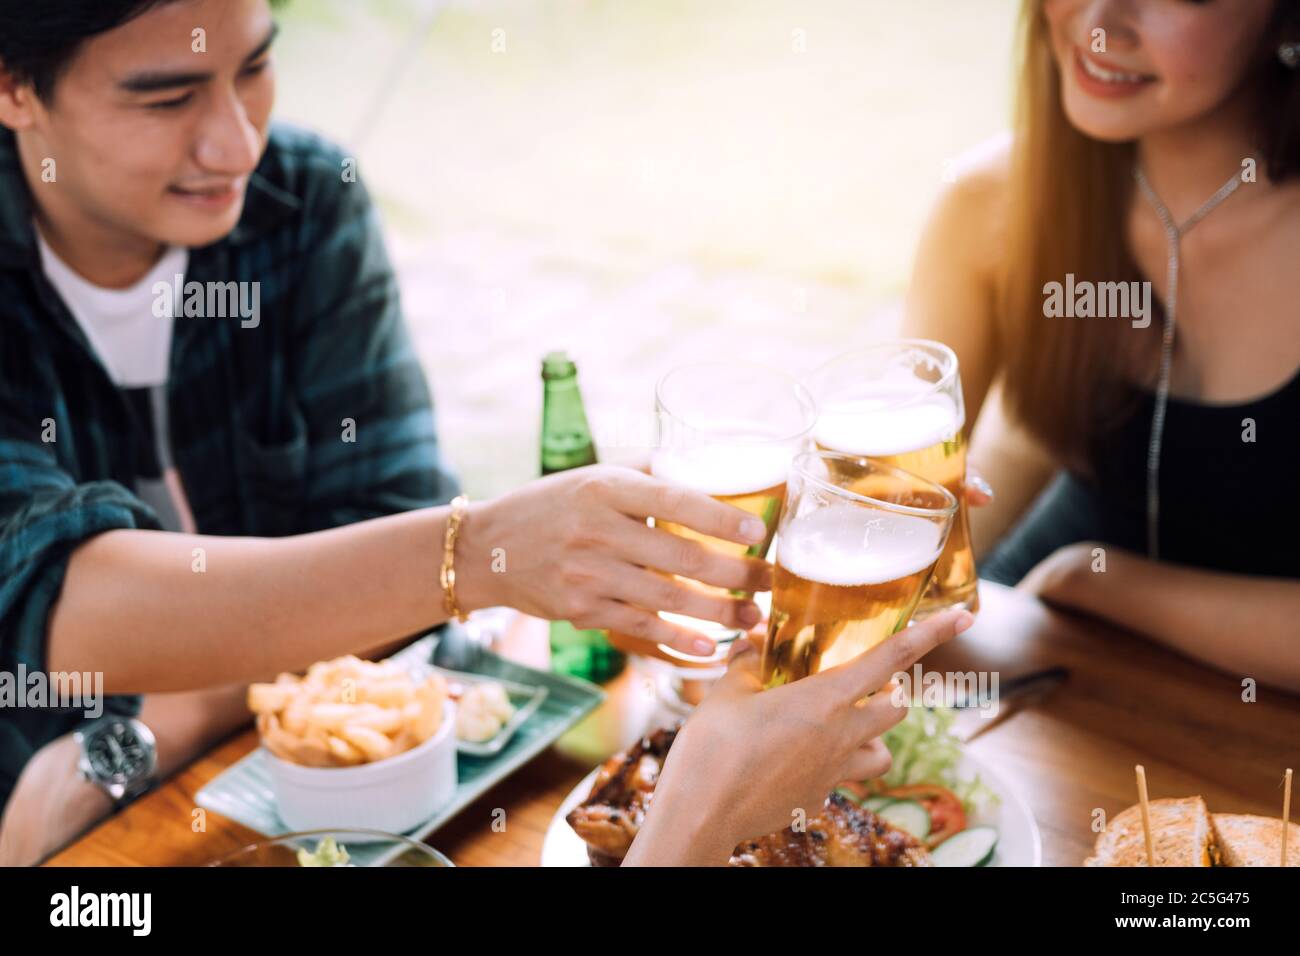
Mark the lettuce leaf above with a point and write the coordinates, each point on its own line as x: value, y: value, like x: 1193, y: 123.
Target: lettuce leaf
x: 926, y: 751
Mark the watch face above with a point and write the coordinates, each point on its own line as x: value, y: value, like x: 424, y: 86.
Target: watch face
x: 117, y: 752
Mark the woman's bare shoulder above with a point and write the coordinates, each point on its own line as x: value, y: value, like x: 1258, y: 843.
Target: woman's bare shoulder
x: 984, y: 169
x: 954, y: 281
x: 969, y: 217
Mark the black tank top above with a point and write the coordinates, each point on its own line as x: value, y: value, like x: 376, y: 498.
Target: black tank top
x: 1227, y: 503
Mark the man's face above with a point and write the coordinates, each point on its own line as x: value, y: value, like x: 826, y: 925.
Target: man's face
x: 155, y: 128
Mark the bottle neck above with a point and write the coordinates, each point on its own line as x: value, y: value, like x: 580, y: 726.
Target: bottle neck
x: 566, y: 436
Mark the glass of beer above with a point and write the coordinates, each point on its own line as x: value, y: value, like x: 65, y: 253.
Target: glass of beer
x: 858, y: 544
x: 730, y: 430
x: 900, y: 403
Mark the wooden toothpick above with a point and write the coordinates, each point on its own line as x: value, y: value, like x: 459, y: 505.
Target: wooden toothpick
x: 1146, y: 814
x: 1286, y: 811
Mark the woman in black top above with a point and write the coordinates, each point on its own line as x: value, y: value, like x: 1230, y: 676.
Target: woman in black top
x: 1157, y: 146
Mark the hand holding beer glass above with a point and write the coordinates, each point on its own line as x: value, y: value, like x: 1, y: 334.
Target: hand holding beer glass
x: 729, y: 430
x: 858, y: 544
x: 901, y: 404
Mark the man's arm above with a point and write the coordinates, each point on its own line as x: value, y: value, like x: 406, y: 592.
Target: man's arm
x: 87, y: 583
x: 1242, y: 625
x: 135, y: 607
x: 52, y: 804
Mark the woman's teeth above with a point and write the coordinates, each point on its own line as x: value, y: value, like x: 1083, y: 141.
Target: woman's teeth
x: 1109, y: 76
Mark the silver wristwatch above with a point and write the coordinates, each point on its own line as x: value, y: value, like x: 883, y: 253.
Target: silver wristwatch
x: 119, y: 755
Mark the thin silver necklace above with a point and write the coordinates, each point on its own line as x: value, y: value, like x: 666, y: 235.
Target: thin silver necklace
x: 1173, y: 238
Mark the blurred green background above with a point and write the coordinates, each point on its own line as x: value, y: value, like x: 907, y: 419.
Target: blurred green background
x: 642, y: 182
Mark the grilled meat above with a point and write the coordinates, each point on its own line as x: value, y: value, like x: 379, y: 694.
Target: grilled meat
x: 610, y: 818
x: 843, y: 834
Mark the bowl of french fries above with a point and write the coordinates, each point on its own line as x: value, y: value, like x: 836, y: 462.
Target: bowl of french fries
x: 357, y: 744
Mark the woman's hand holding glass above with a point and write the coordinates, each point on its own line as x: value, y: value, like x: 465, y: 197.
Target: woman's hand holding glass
x: 748, y: 761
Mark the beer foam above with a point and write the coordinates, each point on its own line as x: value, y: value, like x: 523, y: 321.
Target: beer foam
x: 853, y: 545
x: 725, y: 469
x: 887, y: 420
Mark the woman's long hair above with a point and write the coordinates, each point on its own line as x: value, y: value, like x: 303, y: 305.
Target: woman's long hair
x: 1069, y: 380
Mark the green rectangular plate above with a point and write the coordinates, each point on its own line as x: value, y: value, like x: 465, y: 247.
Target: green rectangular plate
x: 242, y: 791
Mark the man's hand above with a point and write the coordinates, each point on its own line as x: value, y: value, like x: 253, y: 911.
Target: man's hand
x: 51, y: 805
x: 576, y: 547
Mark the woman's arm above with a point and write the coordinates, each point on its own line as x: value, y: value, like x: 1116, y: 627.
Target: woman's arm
x: 952, y: 294
x: 1010, y: 460
x: 1240, y: 624
x: 952, y: 298
x: 156, y: 611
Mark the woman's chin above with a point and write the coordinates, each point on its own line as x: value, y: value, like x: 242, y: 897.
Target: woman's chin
x: 1105, y: 124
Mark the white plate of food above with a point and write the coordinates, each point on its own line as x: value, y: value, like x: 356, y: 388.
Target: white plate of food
x: 911, y: 811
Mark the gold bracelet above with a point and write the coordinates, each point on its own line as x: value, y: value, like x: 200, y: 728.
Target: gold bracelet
x: 448, y: 574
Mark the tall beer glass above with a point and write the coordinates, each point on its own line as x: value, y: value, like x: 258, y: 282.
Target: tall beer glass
x: 858, y: 544
x: 730, y: 430
x: 901, y: 404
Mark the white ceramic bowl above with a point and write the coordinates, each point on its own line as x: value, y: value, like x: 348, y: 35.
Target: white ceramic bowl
x: 396, y: 794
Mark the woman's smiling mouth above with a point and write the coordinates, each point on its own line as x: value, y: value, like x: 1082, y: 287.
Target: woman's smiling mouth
x: 1097, y: 80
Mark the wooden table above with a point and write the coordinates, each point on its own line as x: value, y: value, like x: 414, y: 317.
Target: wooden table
x: 1126, y: 701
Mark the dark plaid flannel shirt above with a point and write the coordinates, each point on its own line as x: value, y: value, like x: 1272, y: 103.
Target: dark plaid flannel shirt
x: 256, y: 413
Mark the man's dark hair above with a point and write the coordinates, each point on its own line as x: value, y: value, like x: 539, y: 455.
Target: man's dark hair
x: 37, y: 40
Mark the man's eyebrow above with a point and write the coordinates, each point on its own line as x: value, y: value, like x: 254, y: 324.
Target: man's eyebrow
x: 153, y: 81
x: 265, y: 44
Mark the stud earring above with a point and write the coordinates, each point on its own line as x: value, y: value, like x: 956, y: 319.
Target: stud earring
x: 1289, y: 54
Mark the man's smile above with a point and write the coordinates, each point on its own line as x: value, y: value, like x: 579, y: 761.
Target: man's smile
x: 210, y: 195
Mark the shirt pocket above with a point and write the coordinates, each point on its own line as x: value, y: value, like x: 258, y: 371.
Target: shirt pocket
x: 272, y: 477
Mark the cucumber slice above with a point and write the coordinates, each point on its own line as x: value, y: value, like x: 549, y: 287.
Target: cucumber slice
x: 973, y: 847
x: 907, y: 815
x: 875, y: 804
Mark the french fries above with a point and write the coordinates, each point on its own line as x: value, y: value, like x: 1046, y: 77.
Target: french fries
x: 347, y: 712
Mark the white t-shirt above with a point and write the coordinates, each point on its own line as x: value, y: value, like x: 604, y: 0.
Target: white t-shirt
x: 134, y: 346
x: 133, y: 343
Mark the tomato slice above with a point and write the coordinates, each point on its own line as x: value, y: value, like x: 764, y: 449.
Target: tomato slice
x: 859, y: 788
x: 946, y: 814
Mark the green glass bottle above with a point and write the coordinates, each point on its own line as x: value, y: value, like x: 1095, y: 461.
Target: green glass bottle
x: 566, y: 443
